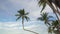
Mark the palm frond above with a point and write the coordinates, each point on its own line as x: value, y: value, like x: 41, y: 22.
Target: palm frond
x: 17, y: 15
x: 55, y: 23
x: 44, y: 15
x: 27, y: 18
x: 22, y: 12
x: 40, y: 18
x: 18, y: 18
x: 44, y: 5
x: 26, y: 13
x: 41, y: 2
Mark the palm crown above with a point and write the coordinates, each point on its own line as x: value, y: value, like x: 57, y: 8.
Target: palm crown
x: 22, y: 14
x: 44, y: 17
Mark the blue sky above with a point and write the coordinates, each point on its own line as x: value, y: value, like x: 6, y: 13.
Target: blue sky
x: 8, y: 9
x: 8, y: 23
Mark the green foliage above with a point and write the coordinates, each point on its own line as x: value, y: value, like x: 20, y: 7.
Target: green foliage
x: 43, y: 3
x: 27, y: 18
x: 49, y: 30
x: 44, y: 17
x: 55, y: 23
x: 18, y: 18
x: 21, y: 13
x: 40, y: 18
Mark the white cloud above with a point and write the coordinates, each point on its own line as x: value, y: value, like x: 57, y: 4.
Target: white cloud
x: 16, y: 24
x: 8, y: 27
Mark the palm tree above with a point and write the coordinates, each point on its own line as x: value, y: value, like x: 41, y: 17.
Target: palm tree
x: 44, y: 17
x: 49, y: 2
x: 22, y: 14
x: 55, y: 23
x: 55, y: 26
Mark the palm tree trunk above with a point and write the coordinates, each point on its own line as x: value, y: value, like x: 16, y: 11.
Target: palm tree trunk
x: 23, y: 26
x: 23, y: 23
x: 52, y: 7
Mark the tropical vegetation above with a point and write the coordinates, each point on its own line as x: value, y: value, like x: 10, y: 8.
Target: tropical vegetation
x: 53, y: 25
x: 55, y: 6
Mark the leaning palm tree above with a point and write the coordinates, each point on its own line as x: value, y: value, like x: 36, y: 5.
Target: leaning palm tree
x: 22, y: 14
x: 44, y: 17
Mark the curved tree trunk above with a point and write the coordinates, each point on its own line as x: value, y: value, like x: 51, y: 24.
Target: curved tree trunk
x: 26, y: 29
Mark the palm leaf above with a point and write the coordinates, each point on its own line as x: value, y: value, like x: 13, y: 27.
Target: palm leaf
x: 44, y: 5
x: 18, y: 18
x: 40, y: 18
x: 27, y: 18
x: 55, y: 23
x: 17, y: 15
x: 26, y: 13
x: 41, y: 2
x: 22, y: 12
x: 44, y: 15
